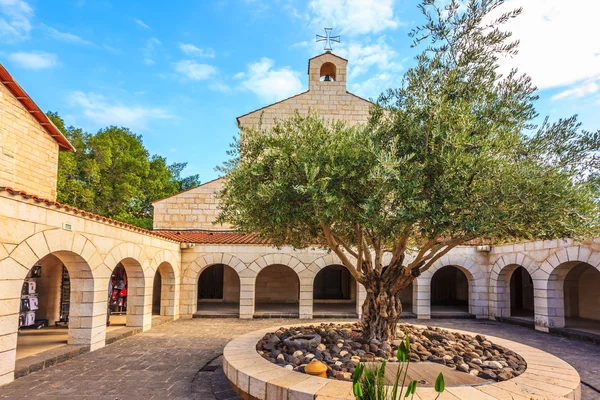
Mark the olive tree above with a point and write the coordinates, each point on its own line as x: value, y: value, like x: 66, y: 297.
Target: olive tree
x: 448, y: 158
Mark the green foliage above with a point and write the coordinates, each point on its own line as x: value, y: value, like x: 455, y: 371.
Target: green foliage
x: 448, y: 157
x: 369, y: 384
x: 114, y: 175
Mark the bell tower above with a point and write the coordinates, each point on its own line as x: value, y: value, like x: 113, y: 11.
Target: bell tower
x: 327, y: 72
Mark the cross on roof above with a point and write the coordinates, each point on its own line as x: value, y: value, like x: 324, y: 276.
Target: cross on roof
x: 328, y: 39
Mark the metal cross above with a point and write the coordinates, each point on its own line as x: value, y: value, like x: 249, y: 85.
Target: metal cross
x: 328, y: 39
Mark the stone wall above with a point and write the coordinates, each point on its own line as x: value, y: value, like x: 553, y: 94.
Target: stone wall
x: 90, y: 247
x: 277, y: 284
x: 329, y: 100
x: 589, y: 294
x: 28, y: 155
x: 196, y: 208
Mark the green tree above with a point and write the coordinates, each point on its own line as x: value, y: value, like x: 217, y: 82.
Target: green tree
x: 114, y: 175
x: 449, y: 157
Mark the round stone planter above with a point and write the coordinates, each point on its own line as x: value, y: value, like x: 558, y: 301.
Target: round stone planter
x: 547, y: 377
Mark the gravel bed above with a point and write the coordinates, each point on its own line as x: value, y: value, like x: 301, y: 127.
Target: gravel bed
x: 341, y: 348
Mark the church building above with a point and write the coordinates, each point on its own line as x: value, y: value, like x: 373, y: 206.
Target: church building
x: 85, y: 279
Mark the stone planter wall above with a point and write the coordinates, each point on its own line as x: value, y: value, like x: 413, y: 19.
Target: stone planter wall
x: 547, y: 377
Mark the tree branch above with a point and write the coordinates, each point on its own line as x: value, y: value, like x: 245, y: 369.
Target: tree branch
x: 336, y: 249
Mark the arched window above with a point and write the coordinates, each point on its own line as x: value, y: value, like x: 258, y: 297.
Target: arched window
x: 328, y: 72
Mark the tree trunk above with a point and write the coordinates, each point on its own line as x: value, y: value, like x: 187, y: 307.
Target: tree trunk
x: 381, y: 313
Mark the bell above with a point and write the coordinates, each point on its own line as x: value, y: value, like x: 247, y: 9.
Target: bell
x: 327, y: 78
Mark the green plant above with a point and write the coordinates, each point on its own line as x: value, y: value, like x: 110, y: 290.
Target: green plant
x: 369, y: 384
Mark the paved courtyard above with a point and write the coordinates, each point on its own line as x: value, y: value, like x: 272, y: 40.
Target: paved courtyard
x: 167, y: 362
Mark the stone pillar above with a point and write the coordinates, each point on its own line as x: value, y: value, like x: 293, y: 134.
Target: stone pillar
x: 422, y: 297
x: 169, y: 295
x: 479, y: 294
x: 361, y: 296
x: 548, y: 302
x: 307, y: 278
x: 247, y: 293
x: 188, y: 298
x: 10, y: 297
x: 87, y: 312
x: 87, y: 305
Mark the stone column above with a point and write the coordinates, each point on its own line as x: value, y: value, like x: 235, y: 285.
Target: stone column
x: 10, y: 297
x: 247, y: 293
x: 169, y: 295
x: 422, y: 297
x: 361, y: 296
x: 307, y: 278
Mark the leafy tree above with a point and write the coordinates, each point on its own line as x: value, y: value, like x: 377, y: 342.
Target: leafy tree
x: 449, y: 157
x: 114, y: 175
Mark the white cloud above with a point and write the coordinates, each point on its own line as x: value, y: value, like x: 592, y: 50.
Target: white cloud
x: 219, y: 87
x: 34, y: 59
x: 192, y: 50
x: 559, y: 42
x: 377, y: 84
x: 149, y: 50
x: 103, y: 112
x: 196, y: 71
x: 66, y: 37
x: 270, y: 84
x: 578, y: 91
x: 363, y: 57
x: 354, y: 17
x: 141, y: 23
x: 15, y: 21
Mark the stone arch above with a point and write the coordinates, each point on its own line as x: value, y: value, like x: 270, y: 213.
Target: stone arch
x: 189, y: 282
x: 38, y: 245
x: 88, y: 305
x: 328, y: 69
x: 127, y: 250
x: 500, y: 275
x: 476, y: 277
x: 166, y: 264
x: 169, y: 289
x: 139, y: 286
x: 551, y: 275
x: 305, y: 275
x: 168, y: 257
x: 329, y: 259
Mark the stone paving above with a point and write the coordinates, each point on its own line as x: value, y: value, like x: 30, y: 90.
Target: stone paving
x: 177, y: 360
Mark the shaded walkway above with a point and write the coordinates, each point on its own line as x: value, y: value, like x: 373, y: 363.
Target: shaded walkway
x: 166, y: 361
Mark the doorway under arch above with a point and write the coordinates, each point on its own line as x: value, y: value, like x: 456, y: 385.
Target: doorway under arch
x: 450, y: 292
x: 277, y: 292
x: 218, y: 292
x: 334, y: 293
x: 54, y: 307
x: 521, y: 294
x: 127, y: 296
x: 581, y: 298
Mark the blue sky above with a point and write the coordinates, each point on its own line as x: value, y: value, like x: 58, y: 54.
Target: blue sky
x: 179, y: 73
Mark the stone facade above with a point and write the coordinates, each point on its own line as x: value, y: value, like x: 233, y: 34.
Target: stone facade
x: 28, y: 155
x: 564, y: 274
x: 329, y: 99
x: 90, y: 249
x: 196, y: 208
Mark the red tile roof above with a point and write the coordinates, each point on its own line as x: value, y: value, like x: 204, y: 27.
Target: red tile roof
x: 214, y: 237
x: 81, y: 213
x: 7, y: 80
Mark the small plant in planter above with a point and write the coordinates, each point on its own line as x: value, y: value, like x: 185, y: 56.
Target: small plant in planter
x: 369, y: 384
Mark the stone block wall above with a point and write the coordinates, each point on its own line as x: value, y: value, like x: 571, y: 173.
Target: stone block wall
x: 30, y: 231
x: 28, y: 155
x: 277, y: 284
x: 196, y: 208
